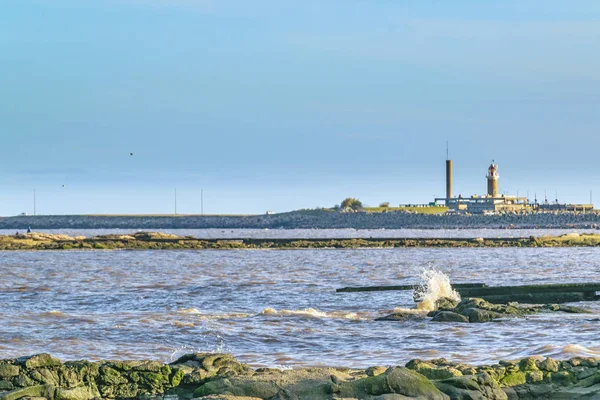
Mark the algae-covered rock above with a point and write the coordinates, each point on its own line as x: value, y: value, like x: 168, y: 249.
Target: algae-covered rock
x: 374, y: 371
x: 7, y: 371
x: 528, y: 364
x: 549, y: 365
x: 449, y: 316
x: 31, y: 391
x: 78, y: 393
x: 481, y: 386
x: 409, y: 383
x: 401, y: 316
x: 38, y: 361
x: 477, y: 315
x: 154, y: 236
x: 432, y: 371
x: 513, y: 378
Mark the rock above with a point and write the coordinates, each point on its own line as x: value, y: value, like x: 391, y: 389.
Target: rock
x: 31, y: 391
x: 563, y: 378
x: 528, y: 364
x: 549, y: 365
x: 44, y: 375
x: 513, y: 379
x: 226, y: 397
x: 449, y: 316
x: 477, y: 315
x: 154, y: 236
x: 480, y: 386
x: 111, y: 377
x: 409, y: 383
x: 374, y: 371
x: 39, y: 361
x: 534, y: 376
x: 432, y: 371
x: 78, y: 393
x: 7, y: 371
x: 401, y: 316
x: 24, y: 381
x: 445, y: 303
x: 6, y: 385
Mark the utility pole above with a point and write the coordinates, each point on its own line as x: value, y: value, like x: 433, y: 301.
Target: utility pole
x: 201, y: 201
x: 175, y: 201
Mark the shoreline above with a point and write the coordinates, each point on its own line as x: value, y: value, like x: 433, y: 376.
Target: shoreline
x: 309, y: 219
x: 221, y: 376
x: 165, y: 241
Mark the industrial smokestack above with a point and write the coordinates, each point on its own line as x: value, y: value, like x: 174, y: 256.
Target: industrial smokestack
x: 448, y: 179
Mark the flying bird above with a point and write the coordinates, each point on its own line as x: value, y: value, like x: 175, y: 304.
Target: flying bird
x: 130, y: 154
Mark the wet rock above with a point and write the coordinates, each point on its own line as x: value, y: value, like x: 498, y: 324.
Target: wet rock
x: 477, y: 315
x: 6, y: 385
x: 449, y: 316
x: 401, y: 316
x: 446, y: 303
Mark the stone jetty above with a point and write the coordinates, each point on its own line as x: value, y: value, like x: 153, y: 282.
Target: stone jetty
x: 220, y: 376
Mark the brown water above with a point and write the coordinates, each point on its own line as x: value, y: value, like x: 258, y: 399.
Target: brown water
x: 277, y: 308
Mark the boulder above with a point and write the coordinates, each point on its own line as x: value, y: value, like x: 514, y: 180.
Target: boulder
x: 7, y: 371
x: 475, y: 387
x: 38, y: 361
x: 449, y: 316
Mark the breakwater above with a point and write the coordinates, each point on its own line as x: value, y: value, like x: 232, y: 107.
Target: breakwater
x: 306, y: 219
x: 165, y: 241
x: 220, y: 376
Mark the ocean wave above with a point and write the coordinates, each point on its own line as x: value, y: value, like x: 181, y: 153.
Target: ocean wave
x: 312, y: 313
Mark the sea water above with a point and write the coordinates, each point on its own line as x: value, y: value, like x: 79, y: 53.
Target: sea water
x: 279, y: 308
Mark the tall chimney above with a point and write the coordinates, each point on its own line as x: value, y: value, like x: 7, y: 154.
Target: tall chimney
x: 448, y: 179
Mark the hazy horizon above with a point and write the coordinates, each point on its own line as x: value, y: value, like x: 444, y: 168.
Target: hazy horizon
x: 271, y: 106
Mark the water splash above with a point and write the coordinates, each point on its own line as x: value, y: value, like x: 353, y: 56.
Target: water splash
x: 435, y: 285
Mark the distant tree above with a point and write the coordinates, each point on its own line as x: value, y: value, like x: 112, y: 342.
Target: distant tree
x: 352, y: 203
x: 386, y: 204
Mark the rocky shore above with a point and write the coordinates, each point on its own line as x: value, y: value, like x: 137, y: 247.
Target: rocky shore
x: 307, y: 219
x: 165, y: 241
x: 220, y: 376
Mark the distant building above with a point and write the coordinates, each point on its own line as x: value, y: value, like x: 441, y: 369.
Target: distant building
x: 491, y: 203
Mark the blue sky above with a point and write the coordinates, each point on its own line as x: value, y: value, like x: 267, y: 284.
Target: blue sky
x: 279, y: 105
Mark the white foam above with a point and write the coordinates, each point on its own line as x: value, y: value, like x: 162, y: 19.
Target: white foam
x: 435, y: 285
x: 311, y: 313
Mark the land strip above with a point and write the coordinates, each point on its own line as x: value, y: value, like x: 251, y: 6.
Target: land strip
x: 163, y: 241
x: 306, y: 219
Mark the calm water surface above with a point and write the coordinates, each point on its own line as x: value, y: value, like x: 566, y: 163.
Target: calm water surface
x: 278, y: 307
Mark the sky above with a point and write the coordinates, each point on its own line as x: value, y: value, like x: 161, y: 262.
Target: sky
x: 280, y: 105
